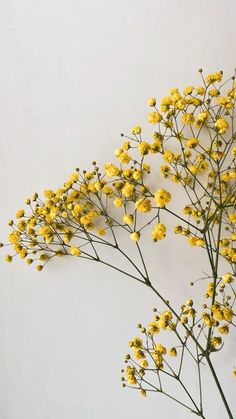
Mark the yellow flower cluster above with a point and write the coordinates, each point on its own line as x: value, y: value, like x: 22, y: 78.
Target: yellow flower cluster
x: 148, y: 355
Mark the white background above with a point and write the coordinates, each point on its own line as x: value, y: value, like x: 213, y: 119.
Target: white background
x: 74, y: 75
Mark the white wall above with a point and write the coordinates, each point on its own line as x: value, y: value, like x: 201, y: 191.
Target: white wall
x: 75, y: 74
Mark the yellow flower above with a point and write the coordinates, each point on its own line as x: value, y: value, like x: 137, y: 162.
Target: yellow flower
x: 124, y: 158
x: 101, y: 232
x: 201, y: 119
x: 136, y: 130
x: 153, y: 328
x: 154, y: 117
x: 173, y: 352
x: 136, y: 343
x: 48, y: 193
x: 143, y: 392
x: 137, y: 174
x: 221, y: 125
x: 143, y: 148
x: 128, y: 190
x: 128, y: 219
x: 130, y: 375
x: 214, y: 77
x: 166, y: 102
x: 107, y: 190
x: 111, y: 170
x: 20, y: 213
x: 232, y: 217
x: 159, y: 232
x: 217, y: 340
x: 188, y: 90
x: 165, y: 171
x: 193, y: 169
x: 208, y: 320
x: 23, y: 253
x: 200, y: 90
x: 188, y: 118
x: 228, y: 314
x: 126, y: 145
x: 227, y: 278
x: 160, y: 349
x: 39, y: 267
x: 143, y: 205
x: 14, y: 237
x: 162, y: 197
x: 144, y: 363
x: 118, y: 202
x: 192, y: 142
x: 8, y: 258
x: 139, y: 354
x: 135, y: 236
x: 152, y: 101
x: 74, y: 177
x: 75, y: 251
x: 224, y: 329
x: 225, y: 101
x: 158, y: 358
x: 213, y: 92
x: 169, y: 156
x: 196, y: 241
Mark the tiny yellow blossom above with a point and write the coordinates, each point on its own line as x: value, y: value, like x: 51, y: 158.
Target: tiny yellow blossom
x: 130, y: 375
x: 162, y: 197
x: 118, y: 202
x: 144, y: 363
x: 192, y: 142
x: 227, y: 278
x: 20, y: 213
x: 221, y: 125
x: 143, y: 205
x: 224, y: 329
x: 154, y: 117
x: 136, y: 130
x: 136, y: 343
x: 124, y: 158
x: 152, y: 101
x: 228, y: 314
x: 75, y: 251
x: 128, y: 219
x: 135, y: 236
x: 173, y: 352
x: 200, y: 90
x: 196, y: 241
x: 188, y: 90
x: 188, y: 118
x: 111, y: 170
x: 143, y: 148
x: 214, y: 77
x: 159, y: 232
x: 232, y: 217
x: 159, y: 348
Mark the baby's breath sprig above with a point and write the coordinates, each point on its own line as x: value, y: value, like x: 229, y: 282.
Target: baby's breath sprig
x: 193, y: 147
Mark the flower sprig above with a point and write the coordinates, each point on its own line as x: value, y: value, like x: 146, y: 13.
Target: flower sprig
x: 192, y: 150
